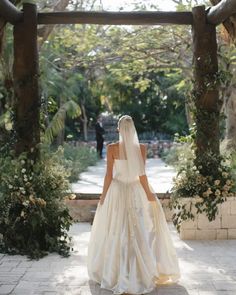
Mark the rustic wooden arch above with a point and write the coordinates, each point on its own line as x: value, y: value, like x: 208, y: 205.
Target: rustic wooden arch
x: 26, y: 72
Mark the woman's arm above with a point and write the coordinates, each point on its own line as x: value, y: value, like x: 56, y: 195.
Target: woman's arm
x: 108, y: 176
x: 144, y: 180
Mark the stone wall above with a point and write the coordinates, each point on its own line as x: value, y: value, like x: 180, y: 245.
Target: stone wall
x: 83, y: 210
x: 223, y: 227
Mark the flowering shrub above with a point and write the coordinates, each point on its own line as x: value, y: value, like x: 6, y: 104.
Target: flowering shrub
x: 33, y: 219
x: 208, y: 190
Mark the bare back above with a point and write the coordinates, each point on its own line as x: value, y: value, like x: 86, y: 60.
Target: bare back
x: 114, y: 150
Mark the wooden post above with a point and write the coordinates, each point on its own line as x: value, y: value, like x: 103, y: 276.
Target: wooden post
x: 9, y: 12
x: 205, y: 93
x: 25, y: 75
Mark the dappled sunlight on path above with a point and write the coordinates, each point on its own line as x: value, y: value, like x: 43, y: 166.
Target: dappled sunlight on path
x: 159, y: 174
x: 207, y: 268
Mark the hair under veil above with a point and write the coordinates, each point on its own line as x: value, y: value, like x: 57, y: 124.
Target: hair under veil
x: 129, y: 147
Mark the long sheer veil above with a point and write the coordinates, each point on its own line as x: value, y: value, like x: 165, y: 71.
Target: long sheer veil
x: 129, y: 147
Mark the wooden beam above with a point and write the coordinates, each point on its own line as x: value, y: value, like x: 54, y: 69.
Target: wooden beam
x: 25, y: 77
x: 9, y: 12
x: 220, y: 12
x: 116, y: 18
x: 205, y: 90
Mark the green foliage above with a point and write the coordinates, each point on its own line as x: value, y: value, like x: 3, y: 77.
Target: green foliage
x: 33, y: 219
x: 57, y: 123
x: 206, y: 191
x: 63, y: 79
x: 177, y: 154
x: 232, y: 157
x: 115, y: 68
x: 77, y: 159
x: 181, y: 154
x: 156, y: 107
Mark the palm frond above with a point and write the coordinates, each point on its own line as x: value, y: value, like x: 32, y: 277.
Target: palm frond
x: 70, y: 109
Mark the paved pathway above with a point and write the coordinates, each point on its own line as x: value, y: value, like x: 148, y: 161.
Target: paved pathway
x: 159, y: 174
x: 207, y: 268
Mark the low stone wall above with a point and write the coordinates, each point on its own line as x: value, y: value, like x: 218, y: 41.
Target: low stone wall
x: 223, y: 227
x: 82, y: 209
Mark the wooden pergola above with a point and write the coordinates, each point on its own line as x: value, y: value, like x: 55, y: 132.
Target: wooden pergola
x: 26, y: 71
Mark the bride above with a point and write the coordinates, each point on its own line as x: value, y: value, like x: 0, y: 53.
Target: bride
x: 130, y: 248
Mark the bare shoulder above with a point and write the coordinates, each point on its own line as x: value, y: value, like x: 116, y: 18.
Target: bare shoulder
x: 112, y: 146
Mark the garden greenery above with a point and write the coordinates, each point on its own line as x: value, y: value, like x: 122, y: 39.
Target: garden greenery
x: 76, y: 159
x: 33, y: 217
x: 205, y: 192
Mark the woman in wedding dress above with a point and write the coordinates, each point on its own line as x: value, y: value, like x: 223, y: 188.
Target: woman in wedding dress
x: 130, y: 248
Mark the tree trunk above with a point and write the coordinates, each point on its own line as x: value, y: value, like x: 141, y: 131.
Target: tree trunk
x: 61, y: 137
x: 85, y: 122
x: 224, y: 11
x: 205, y: 93
x: 46, y: 30
x: 221, y: 11
x: 9, y: 12
x: 25, y: 75
x: 230, y: 112
x: 2, y: 29
x: 189, y: 115
x: 61, y: 134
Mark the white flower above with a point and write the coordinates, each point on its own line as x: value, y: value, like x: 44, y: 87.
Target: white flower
x: 228, y: 182
x: 15, y: 176
x: 26, y: 203
x: 217, y: 182
x: 217, y: 192
x: 22, y: 162
x: 225, y: 174
x: 225, y: 187
x: 10, y: 186
x: 205, y: 194
x: 209, y: 190
x: 23, y: 170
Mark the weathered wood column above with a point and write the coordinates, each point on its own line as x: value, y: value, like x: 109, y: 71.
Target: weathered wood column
x: 205, y: 92
x: 25, y: 75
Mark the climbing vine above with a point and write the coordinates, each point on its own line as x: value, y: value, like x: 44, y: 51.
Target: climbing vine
x: 205, y: 179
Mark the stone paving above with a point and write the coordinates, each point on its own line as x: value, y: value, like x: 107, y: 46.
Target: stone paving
x: 207, y: 268
x: 159, y: 174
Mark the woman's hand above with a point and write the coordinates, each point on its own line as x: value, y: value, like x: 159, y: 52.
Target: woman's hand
x: 102, y: 198
x: 151, y: 197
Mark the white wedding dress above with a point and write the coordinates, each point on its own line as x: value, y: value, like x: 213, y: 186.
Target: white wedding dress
x: 130, y: 248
